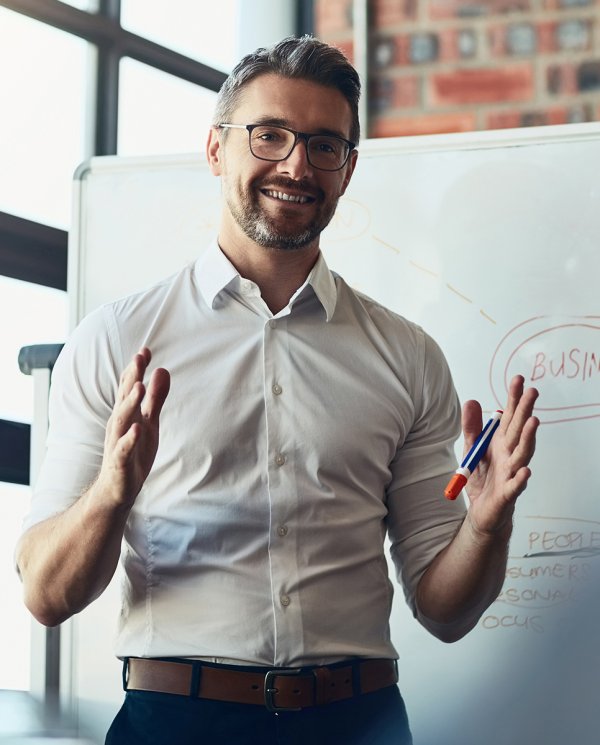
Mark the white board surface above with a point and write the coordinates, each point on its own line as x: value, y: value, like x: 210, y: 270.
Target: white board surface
x: 491, y: 242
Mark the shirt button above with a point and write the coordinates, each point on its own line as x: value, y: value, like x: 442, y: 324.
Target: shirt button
x: 280, y: 459
x: 285, y: 600
x: 273, y: 323
x: 282, y: 530
x: 277, y: 389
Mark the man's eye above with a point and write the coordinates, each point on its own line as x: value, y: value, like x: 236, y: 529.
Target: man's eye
x: 267, y: 135
x: 326, y: 147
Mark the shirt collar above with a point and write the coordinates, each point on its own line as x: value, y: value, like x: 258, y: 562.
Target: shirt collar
x: 323, y: 284
x: 214, y: 272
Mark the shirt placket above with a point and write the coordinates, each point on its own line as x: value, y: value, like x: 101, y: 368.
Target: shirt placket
x: 283, y: 495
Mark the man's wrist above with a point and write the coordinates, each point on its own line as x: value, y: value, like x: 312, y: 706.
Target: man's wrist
x: 487, y: 537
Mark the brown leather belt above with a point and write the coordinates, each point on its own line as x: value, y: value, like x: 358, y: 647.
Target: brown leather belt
x: 279, y: 689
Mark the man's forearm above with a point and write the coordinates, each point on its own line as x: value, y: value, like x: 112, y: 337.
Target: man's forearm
x: 68, y: 560
x: 462, y: 581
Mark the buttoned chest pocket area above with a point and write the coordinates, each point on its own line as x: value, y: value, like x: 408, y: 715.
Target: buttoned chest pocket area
x: 212, y: 422
x: 347, y: 420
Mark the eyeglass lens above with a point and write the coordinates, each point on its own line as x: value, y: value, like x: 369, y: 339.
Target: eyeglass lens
x: 275, y: 143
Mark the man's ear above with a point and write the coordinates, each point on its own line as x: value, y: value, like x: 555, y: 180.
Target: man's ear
x: 349, y: 170
x: 213, y: 151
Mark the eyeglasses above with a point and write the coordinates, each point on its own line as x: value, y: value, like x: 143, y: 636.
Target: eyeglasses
x: 270, y: 142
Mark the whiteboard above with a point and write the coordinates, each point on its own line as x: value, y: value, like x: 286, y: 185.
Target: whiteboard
x: 489, y: 241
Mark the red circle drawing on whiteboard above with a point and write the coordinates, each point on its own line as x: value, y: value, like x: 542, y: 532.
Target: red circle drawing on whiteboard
x: 560, y: 356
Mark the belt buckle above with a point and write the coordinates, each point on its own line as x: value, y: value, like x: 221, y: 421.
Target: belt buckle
x: 270, y: 691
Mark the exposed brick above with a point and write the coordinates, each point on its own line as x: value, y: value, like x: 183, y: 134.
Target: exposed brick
x: 455, y: 44
x: 466, y: 43
x: 496, y: 38
x: 439, y: 75
x: 439, y: 9
x: 381, y: 92
x: 503, y: 120
x: 386, y: 13
x: 534, y: 118
x: 332, y: 17
x: 467, y: 86
x: 402, y: 47
x: 588, y: 76
x: 580, y: 113
x: 383, y: 52
x: 546, y: 37
x: 541, y: 118
x: 424, y: 124
x: 346, y: 47
x: 423, y: 47
x: 521, y: 38
x: 573, y: 35
x: 448, y: 45
x: 557, y: 4
x: 562, y: 79
x: 387, y: 93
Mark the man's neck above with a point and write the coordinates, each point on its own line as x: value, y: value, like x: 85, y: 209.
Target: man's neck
x: 277, y: 272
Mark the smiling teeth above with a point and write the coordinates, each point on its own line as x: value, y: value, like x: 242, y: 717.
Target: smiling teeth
x: 287, y: 197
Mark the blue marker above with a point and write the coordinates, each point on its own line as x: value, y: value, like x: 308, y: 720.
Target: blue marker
x: 472, y: 458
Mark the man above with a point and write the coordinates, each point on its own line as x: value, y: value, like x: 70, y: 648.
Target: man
x: 299, y: 421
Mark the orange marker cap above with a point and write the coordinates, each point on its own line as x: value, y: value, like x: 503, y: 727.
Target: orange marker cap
x: 455, y: 486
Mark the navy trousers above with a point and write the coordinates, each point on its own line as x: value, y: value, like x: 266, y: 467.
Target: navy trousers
x: 147, y: 718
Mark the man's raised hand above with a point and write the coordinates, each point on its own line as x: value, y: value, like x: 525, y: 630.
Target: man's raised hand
x: 132, y: 431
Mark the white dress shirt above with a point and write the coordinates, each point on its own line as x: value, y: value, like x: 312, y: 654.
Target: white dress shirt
x: 289, y: 444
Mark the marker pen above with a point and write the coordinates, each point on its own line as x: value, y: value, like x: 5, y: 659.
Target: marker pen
x: 472, y: 458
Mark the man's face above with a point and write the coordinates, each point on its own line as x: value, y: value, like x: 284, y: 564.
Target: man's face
x: 257, y: 192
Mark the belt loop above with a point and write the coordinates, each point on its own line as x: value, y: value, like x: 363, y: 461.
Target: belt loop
x: 195, y: 679
x: 125, y: 672
x: 322, y: 676
x: 356, y: 686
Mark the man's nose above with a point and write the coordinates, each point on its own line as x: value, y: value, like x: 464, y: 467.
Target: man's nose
x: 296, y: 164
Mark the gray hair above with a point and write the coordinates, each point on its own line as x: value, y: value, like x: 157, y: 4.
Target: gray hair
x: 306, y: 58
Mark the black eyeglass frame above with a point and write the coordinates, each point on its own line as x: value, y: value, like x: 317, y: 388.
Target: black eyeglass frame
x: 297, y: 136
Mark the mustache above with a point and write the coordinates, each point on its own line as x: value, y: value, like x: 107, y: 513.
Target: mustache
x: 280, y: 182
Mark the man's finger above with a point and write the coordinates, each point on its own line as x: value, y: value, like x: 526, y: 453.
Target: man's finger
x: 126, y: 411
x: 472, y: 423
x: 515, y: 392
x: 133, y: 373
x: 522, y: 413
x: 156, y: 394
x: 524, y: 450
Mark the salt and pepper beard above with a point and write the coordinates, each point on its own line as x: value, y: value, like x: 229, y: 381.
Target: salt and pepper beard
x: 257, y: 226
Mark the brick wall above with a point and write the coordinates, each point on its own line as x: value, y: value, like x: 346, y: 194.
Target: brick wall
x: 458, y: 65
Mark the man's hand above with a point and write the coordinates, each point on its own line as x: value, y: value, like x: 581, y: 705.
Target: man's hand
x: 466, y: 576
x: 132, y: 430
x: 502, y: 474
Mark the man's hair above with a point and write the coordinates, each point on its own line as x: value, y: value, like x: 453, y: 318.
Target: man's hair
x: 306, y: 58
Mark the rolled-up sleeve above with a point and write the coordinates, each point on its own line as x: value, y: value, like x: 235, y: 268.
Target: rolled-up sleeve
x: 82, y: 394
x: 421, y: 521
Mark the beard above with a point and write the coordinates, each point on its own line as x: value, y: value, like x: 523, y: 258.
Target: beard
x: 276, y: 234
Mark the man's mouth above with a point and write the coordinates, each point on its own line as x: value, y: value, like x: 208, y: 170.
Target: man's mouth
x: 286, y: 197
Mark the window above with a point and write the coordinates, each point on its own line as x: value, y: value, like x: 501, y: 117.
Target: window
x: 42, y: 129
x: 188, y: 27
x: 64, y: 75
x: 89, y: 5
x: 38, y: 316
x: 16, y: 621
x: 159, y: 113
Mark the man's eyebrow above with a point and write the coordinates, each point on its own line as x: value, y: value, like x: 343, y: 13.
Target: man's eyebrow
x: 280, y: 122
